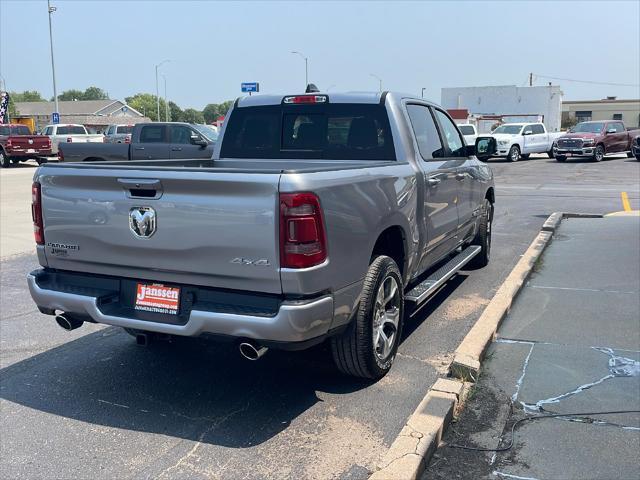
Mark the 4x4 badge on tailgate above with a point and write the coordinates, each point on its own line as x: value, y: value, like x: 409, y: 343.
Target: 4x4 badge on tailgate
x: 142, y: 221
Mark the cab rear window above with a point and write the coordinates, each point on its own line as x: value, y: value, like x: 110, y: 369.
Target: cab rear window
x: 329, y: 131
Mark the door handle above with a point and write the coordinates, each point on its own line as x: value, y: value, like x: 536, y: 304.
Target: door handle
x: 433, y: 181
x: 138, y: 148
x: 460, y: 176
x: 176, y: 149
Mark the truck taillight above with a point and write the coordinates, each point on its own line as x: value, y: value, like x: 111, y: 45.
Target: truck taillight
x: 36, y: 213
x: 302, y: 234
x: 69, y: 139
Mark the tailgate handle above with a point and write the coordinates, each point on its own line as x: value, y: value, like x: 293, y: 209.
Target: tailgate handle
x: 141, y: 187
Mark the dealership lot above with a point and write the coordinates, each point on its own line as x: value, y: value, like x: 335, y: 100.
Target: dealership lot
x: 91, y: 403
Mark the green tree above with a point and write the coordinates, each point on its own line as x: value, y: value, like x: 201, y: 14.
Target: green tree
x: 193, y: 116
x: 94, y: 93
x: 175, y: 112
x: 145, y: 103
x: 70, y: 95
x: 213, y: 110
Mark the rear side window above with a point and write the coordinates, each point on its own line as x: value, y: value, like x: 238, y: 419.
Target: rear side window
x: 450, y: 135
x: 467, y: 129
x: 425, y: 131
x: 329, y: 131
x: 152, y: 134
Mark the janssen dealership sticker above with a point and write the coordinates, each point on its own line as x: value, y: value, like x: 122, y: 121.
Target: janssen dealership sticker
x: 157, y: 298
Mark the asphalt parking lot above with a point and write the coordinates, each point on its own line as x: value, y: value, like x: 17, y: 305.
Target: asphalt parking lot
x: 93, y: 404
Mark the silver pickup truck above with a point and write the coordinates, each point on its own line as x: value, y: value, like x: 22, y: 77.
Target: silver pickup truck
x: 320, y: 216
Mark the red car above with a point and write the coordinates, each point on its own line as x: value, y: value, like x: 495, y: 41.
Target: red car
x: 595, y: 140
x: 18, y: 145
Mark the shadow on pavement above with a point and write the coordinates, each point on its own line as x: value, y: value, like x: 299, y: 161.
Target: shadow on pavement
x: 174, y: 388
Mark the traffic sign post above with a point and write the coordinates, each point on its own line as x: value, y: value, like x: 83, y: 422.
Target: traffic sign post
x: 55, y: 118
x: 250, y: 87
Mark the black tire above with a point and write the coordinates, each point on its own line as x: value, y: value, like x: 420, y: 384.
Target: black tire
x: 598, y: 154
x: 483, y: 237
x: 561, y: 158
x: 525, y: 156
x: 629, y: 155
x: 40, y: 161
x: 514, y: 153
x: 15, y: 161
x: 353, y: 350
x: 638, y: 157
x: 550, y: 153
x: 5, y: 161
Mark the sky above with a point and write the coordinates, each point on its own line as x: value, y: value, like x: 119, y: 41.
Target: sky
x: 214, y: 46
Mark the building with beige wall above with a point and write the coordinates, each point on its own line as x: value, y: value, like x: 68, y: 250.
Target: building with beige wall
x: 609, y: 108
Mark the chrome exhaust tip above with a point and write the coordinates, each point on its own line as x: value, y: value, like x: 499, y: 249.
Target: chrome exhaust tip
x: 68, y: 322
x: 252, y: 352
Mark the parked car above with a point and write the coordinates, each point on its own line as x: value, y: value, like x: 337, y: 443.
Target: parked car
x: 519, y: 140
x: 595, y: 139
x: 18, y: 145
x: 319, y: 217
x: 635, y: 147
x: 469, y: 132
x: 118, y: 134
x: 149, y: 141
x: 68, y: 133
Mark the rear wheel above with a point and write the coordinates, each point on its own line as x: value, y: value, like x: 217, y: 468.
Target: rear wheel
x: 629, y: 155
x: 5, y: 162
x: 514, y: 153
x: 367, y: 348
x: 483, y: 237
x: 598, y: 154
x: 550, y: 153
x: 561, y: 158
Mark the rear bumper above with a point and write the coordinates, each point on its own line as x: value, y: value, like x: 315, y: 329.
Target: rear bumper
x: 25, y: 154
x: 290, y: 321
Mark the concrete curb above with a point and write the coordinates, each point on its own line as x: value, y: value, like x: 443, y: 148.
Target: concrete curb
x: 468, y: 355
x: 408, y: 455
x: 410, y: 452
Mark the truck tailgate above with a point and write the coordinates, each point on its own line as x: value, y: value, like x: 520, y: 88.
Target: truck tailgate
x: 216, y: 229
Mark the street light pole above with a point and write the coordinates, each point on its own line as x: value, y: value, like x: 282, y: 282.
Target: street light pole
x: 306, y: 68
x: 157, y: 92
x: 379, y: 81
x: 53, y: 67
x: 422, y: 94
x: 166, y: 104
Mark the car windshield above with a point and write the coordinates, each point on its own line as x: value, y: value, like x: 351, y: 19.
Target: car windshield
x: 20, y: 131
x: 508, y: 129
x: 467, y: 129
x: 588, y: 127
x: 71, y: 130
x: 208, y: 132
x: 124, y: 128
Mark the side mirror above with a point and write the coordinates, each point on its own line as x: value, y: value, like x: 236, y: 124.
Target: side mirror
x: 527, y: 132
x: 198, y: 140
x: 485, y: 148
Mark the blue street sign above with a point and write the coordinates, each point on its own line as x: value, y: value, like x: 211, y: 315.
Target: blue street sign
x: 55, y: 117
x: 250, y: 87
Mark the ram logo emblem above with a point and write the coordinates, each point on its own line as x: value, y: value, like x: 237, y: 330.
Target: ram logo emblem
x: 142, y: 221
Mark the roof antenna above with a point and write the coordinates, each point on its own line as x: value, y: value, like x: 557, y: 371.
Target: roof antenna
x: 311, y: 88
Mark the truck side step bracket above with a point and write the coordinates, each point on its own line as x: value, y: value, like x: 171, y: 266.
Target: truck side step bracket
x: 428, y: 287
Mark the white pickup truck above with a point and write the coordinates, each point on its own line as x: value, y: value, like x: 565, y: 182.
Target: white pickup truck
x: 519, y: 140
x: 69, y: 133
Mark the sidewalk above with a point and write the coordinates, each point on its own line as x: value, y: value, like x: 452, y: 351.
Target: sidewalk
x: 570, y: 345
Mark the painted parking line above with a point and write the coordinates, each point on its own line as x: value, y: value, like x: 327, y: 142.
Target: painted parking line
x: 625, y: 201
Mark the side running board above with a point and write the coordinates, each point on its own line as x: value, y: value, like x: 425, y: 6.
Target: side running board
x: 428, y: 287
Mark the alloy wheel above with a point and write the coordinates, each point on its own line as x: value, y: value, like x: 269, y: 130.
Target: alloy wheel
x: 386, y: 317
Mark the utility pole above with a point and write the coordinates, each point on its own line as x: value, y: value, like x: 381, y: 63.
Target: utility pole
x: 166, y: 104
x: 379, y: 81
x: 422, y: 93
x: 53, y: 67
x: 530, y: 79
x: 157, y: 92
x: 306, y: 68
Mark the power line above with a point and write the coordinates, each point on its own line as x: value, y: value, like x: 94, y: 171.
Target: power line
x: 588, y: 81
